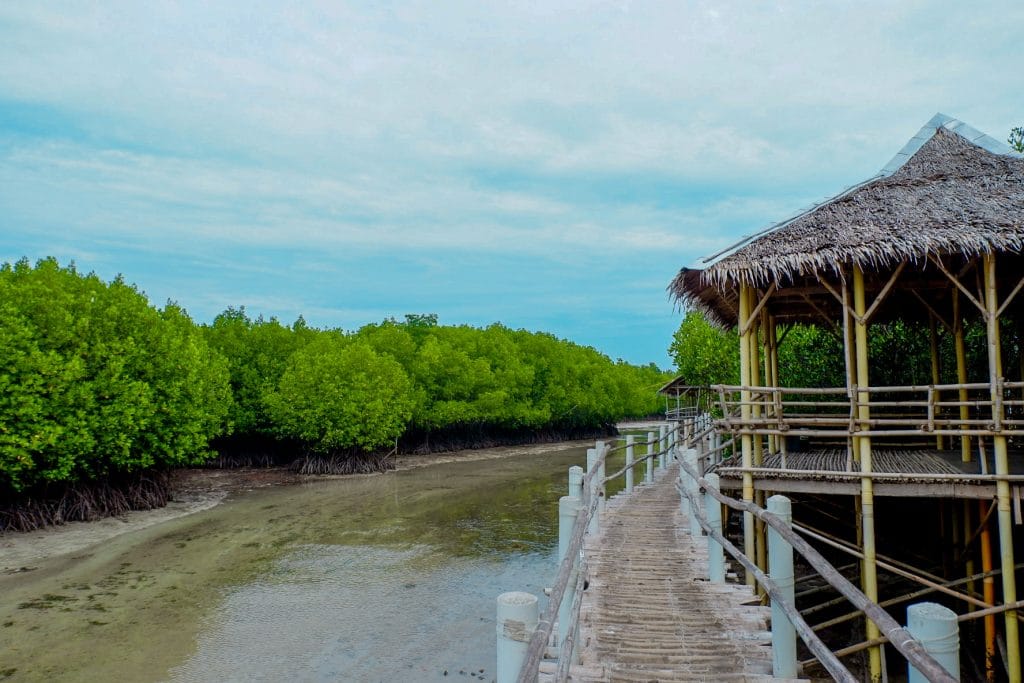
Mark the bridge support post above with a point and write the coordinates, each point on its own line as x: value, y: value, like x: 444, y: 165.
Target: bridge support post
x: 689, y: 457
x: 662, y: 445
x: 518, y: 614
x: 592, y: 527
x: 780, y: 564
x: 601, y: 447
x: 568, y: 511
x: 713, y: 512
x: 630, y: 440
x: 576, y: 482
x: 651, y: 447
x: 937, y: 629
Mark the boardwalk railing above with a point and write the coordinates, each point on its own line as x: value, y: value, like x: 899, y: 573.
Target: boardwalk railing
x: 783, y: 539
x: 579, y: 514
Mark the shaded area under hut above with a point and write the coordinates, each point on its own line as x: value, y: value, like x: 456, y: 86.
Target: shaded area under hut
x: 932, y: 242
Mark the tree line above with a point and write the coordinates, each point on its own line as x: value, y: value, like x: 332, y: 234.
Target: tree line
x: 98, y: 386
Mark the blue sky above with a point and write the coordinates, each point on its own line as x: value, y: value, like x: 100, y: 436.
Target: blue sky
x: 549, y: 165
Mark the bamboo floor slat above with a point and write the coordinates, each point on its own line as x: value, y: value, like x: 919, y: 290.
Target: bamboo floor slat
x: 904, y: 461
x: 650, y: 615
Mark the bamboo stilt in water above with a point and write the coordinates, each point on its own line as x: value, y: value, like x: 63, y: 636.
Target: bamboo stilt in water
x: 746, y: 440
x: 969, y: 564
x: 1002, y: 467
x: 988, y: 588
x: 869, y: 578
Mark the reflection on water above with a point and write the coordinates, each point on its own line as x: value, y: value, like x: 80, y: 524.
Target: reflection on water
x: 389, y: 577
x: 329, y: 613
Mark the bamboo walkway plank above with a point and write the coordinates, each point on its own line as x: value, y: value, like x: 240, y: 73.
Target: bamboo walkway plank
x: 650, y: 615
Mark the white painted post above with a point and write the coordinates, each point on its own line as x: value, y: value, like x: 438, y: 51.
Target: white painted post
x: 568, y: 510
x: 601, y: 447
x: 630, y: 440
x: 651, y: 447
x: 780, y: 568
x: 576, y: 482
x: 592, y: 527
x: 518, y: 614
x: 937, y: 629
x: 662, y: 445
x: 690, y: 458
x: 713, y: 512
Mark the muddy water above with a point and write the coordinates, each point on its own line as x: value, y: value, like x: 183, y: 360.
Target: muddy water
x: 381, y: 578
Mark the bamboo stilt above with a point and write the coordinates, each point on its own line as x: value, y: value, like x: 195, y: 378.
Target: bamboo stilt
x: 961, y: 372
x: 988, y: 588
x: 760, y: 537
x: 1002, y: 467
x: 969, y: 564
x: 869, y: 578
x: 746, y: 440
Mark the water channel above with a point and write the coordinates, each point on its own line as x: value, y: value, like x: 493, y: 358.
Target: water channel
x: 378, y: 578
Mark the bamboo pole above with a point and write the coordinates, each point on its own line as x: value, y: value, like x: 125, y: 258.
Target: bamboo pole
x: 869, y: 577
x: 933, y: 338
x: 746, y: 440
x: 753, y: 336
x: 1002, y: 467
x: 967, y: 553
x: 961, y: 372
x: 988, y: 593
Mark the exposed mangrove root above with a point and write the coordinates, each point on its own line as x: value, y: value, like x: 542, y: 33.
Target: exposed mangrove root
x: 474, y: 437
x: 84, y: 501
x: 359, y: 463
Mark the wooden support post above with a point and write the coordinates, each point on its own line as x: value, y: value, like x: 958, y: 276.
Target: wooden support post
x: 961, y: 373
x: 746, y: 440
x: 1005, y: 514
x: 869, y: 576
x: 933, y: 337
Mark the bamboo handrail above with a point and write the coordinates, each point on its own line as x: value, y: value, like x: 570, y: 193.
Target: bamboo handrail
x: 884, y: 476
x: 905, y: 643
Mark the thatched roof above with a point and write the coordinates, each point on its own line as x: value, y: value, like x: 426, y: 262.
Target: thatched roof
x: 951, y: 190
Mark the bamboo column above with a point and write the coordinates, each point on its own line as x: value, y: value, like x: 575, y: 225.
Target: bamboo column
x: 746, y: 442
x: 988, y: 588
x: 869, y: 575
x: 1002, y: 467
x: 760, y: 539
x: 961, y: 373
x: 933, y: 338
x: 770, y: 372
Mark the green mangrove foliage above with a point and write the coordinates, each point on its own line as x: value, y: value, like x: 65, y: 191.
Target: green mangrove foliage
x: 95, y: 383
x: 101, y: 390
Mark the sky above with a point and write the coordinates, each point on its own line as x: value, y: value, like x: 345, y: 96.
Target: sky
x: 547, y: 165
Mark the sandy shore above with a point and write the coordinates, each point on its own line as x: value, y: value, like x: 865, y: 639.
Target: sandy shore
x: 196, y: 490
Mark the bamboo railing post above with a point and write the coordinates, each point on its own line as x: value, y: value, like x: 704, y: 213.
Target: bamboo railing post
x: 1002, y: 467
x: 746, y: 439
x: 713, y: 512
x: 781, y: 570
x: 869, y: 578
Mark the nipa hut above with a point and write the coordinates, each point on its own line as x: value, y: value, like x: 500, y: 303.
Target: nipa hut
x: 933, y: 240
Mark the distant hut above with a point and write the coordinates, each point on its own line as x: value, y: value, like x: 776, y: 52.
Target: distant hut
x: 935, y: 237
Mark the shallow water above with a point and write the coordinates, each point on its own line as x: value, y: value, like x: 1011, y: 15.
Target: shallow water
x: 390, y: 578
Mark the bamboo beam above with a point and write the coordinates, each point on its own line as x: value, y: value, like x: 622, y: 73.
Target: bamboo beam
x: 865, y: 317
x: 959, y: 285
x: 933, y: 339
x: 1010, y: 297
x: 931, y: 309
x: 869, y: 577
x: 754, y: 314
x: 1013, y: 663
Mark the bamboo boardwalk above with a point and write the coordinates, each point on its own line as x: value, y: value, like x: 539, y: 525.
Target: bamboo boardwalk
x: 650, y: 615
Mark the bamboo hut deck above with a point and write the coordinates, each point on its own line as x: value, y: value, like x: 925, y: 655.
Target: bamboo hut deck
x: 649, y: 614
x: 812, y: 472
